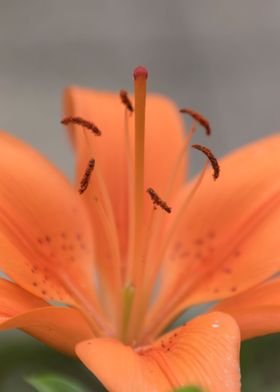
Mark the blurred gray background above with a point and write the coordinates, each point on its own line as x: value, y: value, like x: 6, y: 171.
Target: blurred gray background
x: 220, y: 57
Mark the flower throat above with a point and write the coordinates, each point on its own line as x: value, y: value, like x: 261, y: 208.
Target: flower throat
x: 136, y: 276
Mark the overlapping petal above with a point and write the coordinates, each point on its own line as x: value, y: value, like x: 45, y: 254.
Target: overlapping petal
x: 257, y: 311
x: 204, y: 352
x: 14, y: 300
x: 59, y: 327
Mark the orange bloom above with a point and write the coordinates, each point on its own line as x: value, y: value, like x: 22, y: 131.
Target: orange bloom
x: 127, y: 261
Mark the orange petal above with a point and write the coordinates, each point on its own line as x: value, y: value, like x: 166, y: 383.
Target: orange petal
x: 204, y: 352
x: 229, y: 237
x: 14, y: 300
x: 61, y: 328
x: 257, y: 311
x: 45, y: 234
x: 164, y: 140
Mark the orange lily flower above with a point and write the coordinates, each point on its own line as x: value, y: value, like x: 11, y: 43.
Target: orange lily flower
x: 127, y: 261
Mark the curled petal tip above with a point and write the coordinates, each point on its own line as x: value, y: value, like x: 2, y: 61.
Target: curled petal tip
x: 140, y: 72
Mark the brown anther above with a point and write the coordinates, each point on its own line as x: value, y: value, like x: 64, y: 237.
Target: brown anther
x: 126, y: 101
x: 212, y: 159
x: 85, y: 180
x: 83, y: 123
x: 157, y: 201
x: 199, y: 118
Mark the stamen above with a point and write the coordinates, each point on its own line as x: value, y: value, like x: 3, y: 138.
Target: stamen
x: 212, y: 159
x: 85, y: 180
x: 172, y: 230
x: 156, y: 220
x: 199, y: 118
x: 157, y: 201
x: 104, y: 209
x: 83, y: 123
x: 126, y: 101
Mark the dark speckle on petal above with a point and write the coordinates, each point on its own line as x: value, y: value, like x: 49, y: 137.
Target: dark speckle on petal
x: 211, y: 234
x: 227, y: 270
x: 237, y: 253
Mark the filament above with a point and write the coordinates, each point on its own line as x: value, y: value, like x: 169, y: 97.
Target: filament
x: 155, y: 222
x: 107, y: 219
x: 174, y: 226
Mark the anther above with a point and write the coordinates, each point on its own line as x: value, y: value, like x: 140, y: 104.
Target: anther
x: 157, y: 201
x: 126, y: 101
x: 212, y: 159
x: 83, y: 123
x: 199, y: 118
x: 85, y: 180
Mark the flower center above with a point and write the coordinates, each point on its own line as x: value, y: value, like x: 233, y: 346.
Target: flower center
x: 135, y: 272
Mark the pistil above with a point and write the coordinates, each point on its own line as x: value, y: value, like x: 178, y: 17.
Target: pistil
x: 135, y: 257
x: 140, y: 79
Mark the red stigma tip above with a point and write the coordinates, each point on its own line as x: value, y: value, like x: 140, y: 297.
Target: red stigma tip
x: 140, y: 72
